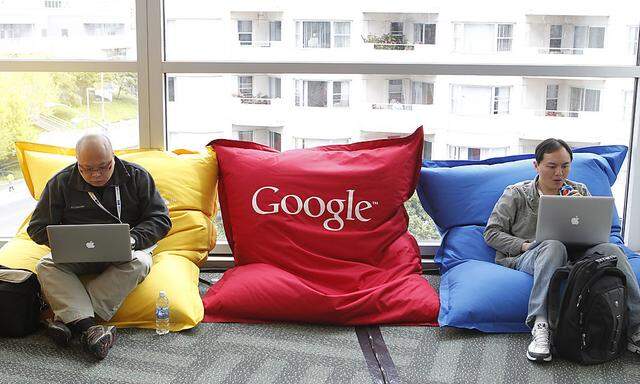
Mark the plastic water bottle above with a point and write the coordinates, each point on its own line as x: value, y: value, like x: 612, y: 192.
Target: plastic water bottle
x: 162, y: 313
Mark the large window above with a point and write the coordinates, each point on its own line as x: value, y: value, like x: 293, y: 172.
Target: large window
x: 58, y: 108
x: 87, y: 30
x: 424, y: 33
x: 499, y: 91
x: 480, y: 100
x: 482, y: 38
x: 245, y: 32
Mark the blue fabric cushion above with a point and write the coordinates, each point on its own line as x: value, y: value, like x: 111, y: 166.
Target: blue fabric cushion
x: 459, y: 196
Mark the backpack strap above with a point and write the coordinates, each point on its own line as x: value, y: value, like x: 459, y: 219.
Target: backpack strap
x: 553, y: 295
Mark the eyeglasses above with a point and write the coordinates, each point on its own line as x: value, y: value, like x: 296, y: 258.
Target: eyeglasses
x: 101, y: 169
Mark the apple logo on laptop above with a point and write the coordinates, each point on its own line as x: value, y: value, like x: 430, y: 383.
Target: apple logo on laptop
x: 575, y: 220
x: 90, y: 244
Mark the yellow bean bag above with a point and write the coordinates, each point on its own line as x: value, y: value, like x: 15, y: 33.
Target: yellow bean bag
x: 187, y: 181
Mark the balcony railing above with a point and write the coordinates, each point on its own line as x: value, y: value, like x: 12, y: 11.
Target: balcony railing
x: 561, y: 51
x: 393, y: 106
x: 548, y: 113
x: 389, y: 42
x: 255, y: 100
x: 260, y: 44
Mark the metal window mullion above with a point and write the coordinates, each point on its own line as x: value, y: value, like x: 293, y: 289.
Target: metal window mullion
x: 631, y: 227
x: 365, y: 68
x: 156, y: 88
x: 67, y: 66
x: 632, y: 203
x: 144, y: 133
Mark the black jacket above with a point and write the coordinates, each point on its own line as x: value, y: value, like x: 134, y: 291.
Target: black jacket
x: 65, y: 200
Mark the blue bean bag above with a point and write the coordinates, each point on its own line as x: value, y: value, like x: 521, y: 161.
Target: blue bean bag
x: 459, y: 196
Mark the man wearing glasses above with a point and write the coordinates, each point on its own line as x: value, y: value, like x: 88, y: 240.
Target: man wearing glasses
x: 87, y: 193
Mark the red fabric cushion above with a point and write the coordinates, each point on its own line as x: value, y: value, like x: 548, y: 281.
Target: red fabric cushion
x: 320, y: 235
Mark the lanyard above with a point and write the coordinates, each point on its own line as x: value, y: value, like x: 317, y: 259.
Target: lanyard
x: 118, y: 203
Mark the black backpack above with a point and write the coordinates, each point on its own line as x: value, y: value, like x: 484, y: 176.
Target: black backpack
x: 587, y: 310
x: 20, y: 302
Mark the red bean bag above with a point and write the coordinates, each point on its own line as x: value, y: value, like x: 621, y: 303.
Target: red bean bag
x: 320, y: 235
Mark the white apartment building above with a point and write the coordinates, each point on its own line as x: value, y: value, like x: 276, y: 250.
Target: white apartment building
x: 465, y: 117
x: 67, y: 29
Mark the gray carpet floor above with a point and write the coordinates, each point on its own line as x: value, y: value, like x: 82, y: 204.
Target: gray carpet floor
x: 292, y: 353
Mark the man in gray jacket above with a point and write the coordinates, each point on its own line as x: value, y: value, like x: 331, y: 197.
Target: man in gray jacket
x: 98, y: 189
x: 511, y: 230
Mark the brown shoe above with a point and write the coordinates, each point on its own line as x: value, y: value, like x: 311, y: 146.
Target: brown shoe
x: 58, y: 332
x: 97, y: 340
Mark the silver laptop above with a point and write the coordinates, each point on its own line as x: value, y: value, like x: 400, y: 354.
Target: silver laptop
x: 578, y: 221
x: 89, y: 243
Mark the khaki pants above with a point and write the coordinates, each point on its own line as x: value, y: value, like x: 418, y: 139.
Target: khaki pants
x: 70, y: 300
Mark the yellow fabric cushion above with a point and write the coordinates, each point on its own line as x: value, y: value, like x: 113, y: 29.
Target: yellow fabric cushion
x: 187, y: 181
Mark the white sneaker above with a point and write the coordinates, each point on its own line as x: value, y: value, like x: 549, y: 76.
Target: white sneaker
x: 539, y: 347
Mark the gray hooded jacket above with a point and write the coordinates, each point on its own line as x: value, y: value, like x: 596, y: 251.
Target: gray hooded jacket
x: 514, y: 218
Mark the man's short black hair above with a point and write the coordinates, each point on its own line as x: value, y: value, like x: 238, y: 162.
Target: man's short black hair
x: 551, y: 145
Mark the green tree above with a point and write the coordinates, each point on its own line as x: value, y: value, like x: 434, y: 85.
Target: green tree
x: 124, y: 82
x: 71, y: 87
x: 22, y: 96
x: 420, y: 224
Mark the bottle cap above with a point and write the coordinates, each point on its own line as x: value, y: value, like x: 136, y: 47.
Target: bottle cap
x: 163, y: 293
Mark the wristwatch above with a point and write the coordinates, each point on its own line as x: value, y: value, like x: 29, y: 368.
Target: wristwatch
x: 133, y: 242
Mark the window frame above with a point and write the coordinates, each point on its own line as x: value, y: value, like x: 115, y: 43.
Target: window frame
x: 423, y: 33
x: 508, y: 39
x: 245, y: 33
x: 152, y: 67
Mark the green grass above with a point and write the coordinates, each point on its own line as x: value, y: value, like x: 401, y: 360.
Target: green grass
x: 124, y: 108
x: 117, y: 110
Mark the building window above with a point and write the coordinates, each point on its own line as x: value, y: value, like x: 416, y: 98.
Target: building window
x: 245, y: 86
x: 316, y: 34
x: 301, y: 143
x: 315, y: 93
x: 102, y: 29
x: 479, y: 100
x: 551, y: 104
x: 500, y: 100
x: 53, y: 4
x: 427, y: 149
x: 583, y: 99
x: 395, y: 92
x: 472, y: 153
x: 633, y: 39
x: 342, y: 34
x: 505, y: 37
x: 245, y: 32
x: 424, y: 33
x: 275, y: 140
x: 421, y: 92
x: 64, y: 32
x: 171, y: 88
x: 275, y: 31
x: 482, y: 37
x: 397, y: 30
x: 245, y: 135
x: 311, y: 93
x: 15, y: 31
x: 340, y: 93
x: 555, y: 38
x: 115, y: 52
x: 587, y: 37
x: 275, y: 87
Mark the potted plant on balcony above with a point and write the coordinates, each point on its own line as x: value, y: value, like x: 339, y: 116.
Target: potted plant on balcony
x: 389, y: 42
